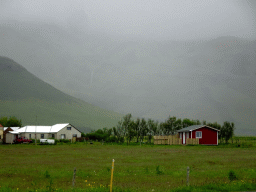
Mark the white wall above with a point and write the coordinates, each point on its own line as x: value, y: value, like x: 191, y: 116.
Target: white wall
x: 68, y: 133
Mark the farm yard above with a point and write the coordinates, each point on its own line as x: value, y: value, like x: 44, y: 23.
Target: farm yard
x: 28, y: 167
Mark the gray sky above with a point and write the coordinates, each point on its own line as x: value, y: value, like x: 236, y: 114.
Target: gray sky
x: 165, y: 19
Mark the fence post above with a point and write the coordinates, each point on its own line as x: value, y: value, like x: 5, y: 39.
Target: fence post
x: 112, y: 175
x: 187, y: 176
x: 74, y: 177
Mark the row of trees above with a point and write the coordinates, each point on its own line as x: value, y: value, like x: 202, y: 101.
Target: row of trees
x: 141, y: 128
x: 128, y: 129
x: 10, y: 122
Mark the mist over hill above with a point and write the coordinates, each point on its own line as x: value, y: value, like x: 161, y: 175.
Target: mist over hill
x: 35, y: 102
x: 210, y: 79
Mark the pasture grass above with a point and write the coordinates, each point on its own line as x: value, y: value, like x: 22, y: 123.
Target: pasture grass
x: 137, y: 168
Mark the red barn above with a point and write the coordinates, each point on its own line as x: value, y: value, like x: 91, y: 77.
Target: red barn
x: 206, y: 135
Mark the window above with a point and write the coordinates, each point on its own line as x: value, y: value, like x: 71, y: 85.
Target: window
x: 53, y: 136
x: 180, y: 135
x: 29, y: 136
x: 74, y: 135
x: 0, y: 136
x: 187, y: 135
x: 63, y: 136
x: 42, y: 136
x: 68, y: 128
x: 199, y: 134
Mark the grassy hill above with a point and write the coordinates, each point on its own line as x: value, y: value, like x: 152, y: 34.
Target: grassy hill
x: 25, y: 96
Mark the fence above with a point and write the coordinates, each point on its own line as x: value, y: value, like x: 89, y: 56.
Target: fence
x: 167, y: 140
x: 194, y: 141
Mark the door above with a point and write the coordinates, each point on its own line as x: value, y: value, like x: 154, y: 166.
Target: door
x: 184, y: 139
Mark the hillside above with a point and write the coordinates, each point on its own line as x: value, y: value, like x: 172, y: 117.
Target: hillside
x: 25, y: 96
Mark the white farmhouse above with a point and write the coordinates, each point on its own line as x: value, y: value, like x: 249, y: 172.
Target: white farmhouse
x: 58, y: 131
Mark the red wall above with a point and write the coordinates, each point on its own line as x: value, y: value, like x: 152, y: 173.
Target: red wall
x: 209, y: 136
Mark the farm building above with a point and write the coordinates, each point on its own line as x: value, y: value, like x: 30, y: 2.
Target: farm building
x: 1, y: 133
x: 10, y: 137
x: 199, y: 134
x: 58, y: 131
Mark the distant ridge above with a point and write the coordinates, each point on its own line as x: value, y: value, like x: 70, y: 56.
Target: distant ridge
x: 7, y: 64
x: 25, y: 96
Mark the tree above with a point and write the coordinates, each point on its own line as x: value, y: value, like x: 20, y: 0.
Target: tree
x: 126, y: 126
x: 171, y: 125
x: 119, y: 131
x: 137, y: 129
x: 143, y: 129
x: 227, y: 130
x: 131, y: 131
x: 178, y: 124
x: 152, y: 128
x: 187, y: 122
x: 11, y: 122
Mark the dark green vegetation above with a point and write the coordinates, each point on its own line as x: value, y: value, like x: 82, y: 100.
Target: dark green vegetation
x: 139, y: 129
x: 10, y: 122
x: 137, y: 168
x: 25, y: 96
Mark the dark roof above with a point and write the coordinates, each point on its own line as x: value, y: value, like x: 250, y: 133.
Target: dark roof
x: 193, y: 127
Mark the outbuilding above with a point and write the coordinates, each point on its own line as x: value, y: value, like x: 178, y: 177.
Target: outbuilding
x: 205, y: 134
x: 10, y: 134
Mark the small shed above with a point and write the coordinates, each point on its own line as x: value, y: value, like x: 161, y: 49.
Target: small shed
x: 9, y: 136
x: 199, y: 134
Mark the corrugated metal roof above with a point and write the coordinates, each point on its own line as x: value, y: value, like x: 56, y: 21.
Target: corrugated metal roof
x: 14, y: 132
x: 42, y: 129
x: 57, y: 127
x: 193, y: 127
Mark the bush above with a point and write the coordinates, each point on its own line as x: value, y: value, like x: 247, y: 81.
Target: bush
x: 121, y: 139
x: 111, y: 139
x: 64, y: 141
x: 232, y: 175
x: 37, y: 141
x: 158, y: 171
x: 56, y: 141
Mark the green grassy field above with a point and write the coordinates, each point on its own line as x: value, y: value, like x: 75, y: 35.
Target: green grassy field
x: 137, y: 168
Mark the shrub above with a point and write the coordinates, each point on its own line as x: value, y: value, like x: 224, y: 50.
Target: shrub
x: 121, y: 139
x: 47, y: 174
x: 64, y: 141
x: 158, y: 171
x: 232, y: 175
x: 111, y: 139
x: 37, y: 141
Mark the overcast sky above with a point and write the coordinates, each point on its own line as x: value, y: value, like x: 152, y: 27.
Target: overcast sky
x: 156, y: 19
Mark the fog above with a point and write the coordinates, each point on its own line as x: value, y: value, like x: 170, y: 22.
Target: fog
x: 176, y: 19
x: 193, y: 59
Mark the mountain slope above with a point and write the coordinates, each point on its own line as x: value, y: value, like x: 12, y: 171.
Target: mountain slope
x: 25, y: 96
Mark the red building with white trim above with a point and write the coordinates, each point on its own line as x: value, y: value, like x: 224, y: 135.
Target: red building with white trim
x: 206, y: 135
